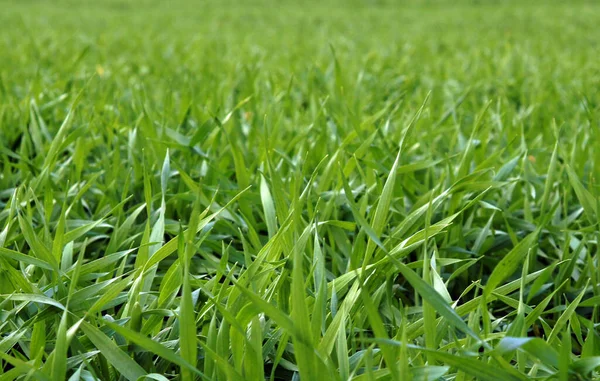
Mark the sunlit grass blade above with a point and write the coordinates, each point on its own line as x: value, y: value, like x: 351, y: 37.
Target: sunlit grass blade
x: 117, y: 358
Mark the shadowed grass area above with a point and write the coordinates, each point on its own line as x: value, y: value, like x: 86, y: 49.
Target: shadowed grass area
x: 328, y: 191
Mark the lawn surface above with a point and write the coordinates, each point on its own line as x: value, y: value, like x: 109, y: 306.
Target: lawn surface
x: 329, y: 191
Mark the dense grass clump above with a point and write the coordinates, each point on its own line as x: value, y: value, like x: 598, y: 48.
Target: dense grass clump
x: 251, y: 191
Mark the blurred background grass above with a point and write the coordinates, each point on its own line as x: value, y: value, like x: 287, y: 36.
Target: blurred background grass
x: 220, y: 53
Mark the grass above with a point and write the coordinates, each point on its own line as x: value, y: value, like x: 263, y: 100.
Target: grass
x: 269, y: 191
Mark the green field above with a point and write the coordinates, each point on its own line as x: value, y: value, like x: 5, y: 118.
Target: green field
x: 278, y: 190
